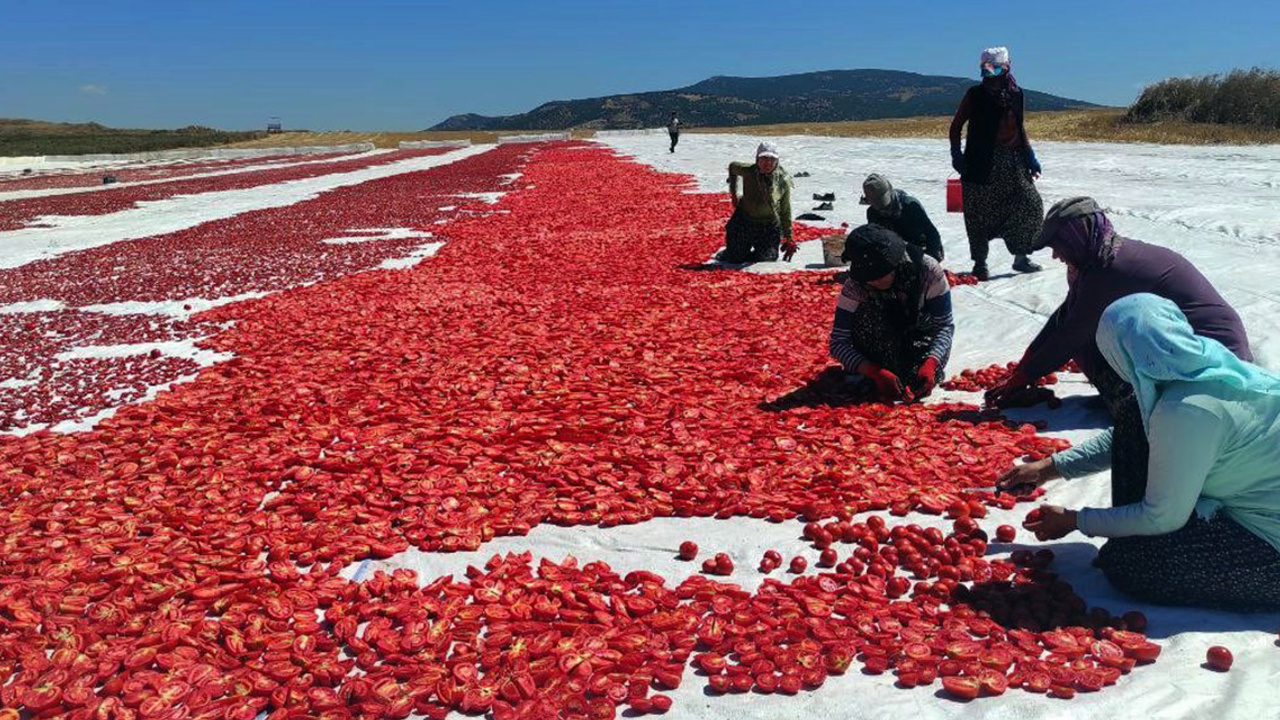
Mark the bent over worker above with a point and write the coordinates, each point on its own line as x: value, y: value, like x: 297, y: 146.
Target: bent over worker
x: 893, y: 324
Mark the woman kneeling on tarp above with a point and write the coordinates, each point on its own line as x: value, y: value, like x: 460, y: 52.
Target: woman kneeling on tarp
x: 1207, y: 529
x: 893, y: 323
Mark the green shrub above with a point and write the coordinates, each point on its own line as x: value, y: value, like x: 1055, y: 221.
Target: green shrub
x: 1242, y: 97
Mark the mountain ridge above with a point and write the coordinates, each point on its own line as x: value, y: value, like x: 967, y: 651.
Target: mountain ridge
x: 731, y: 101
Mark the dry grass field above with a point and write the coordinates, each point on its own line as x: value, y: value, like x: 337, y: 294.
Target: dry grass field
x: 1102, y: 125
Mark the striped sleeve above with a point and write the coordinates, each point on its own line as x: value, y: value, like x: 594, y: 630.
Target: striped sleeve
x: 841, y: 346
x: 939, y: 323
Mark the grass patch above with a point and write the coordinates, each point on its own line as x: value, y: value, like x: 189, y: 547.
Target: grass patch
x: 1242, y: 97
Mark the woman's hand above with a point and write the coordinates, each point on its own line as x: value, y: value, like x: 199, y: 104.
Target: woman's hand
x: 1054, y: 522
x: 1017, y: 380
x: 1024, y: 478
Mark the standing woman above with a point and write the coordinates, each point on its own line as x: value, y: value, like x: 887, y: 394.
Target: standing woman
x: 673, y: 129
x: 997, y: 166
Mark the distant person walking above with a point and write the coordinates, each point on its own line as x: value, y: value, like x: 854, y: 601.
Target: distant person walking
x: 761, y: 218
x: 673, y: 129
x: 901, y: 213
x: 997, y: 166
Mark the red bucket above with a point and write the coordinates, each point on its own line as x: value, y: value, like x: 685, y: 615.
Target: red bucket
x: 955, y: 195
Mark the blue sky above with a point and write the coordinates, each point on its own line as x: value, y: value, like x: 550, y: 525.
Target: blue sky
x: 384, y: 64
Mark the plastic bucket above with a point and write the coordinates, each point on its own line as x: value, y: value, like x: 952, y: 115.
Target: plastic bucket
x: 832, y: 249
x: 955, y: 195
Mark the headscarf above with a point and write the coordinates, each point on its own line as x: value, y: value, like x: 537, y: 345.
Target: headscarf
x: 1002, y: 87
x: 874, y: 251
x: 1079, y: 231
x: 1149, y: 342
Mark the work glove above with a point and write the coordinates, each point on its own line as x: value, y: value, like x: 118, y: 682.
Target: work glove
x: 788, y: 249
x: 888, y: 386
x: 1033, y: 163
x: 926, y: 378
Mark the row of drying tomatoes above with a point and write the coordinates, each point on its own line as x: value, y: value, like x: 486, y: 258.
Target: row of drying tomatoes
x: 259, y: 252
x: 145, y: 171
x: 16, y: 214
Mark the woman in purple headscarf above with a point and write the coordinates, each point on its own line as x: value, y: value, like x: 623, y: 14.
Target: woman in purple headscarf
x: 997, y: 166
x: 1103, y: 267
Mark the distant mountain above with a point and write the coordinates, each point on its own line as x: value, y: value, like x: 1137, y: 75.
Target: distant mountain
x: 829, y: 96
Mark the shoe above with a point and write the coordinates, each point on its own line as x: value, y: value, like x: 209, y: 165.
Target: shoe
x: 829, y: 197
x: 980, y: 271
x: 1023, y: 264
x: 824, y: 206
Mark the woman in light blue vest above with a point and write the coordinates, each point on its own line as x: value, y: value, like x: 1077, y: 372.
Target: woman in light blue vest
x: 1207, y: 531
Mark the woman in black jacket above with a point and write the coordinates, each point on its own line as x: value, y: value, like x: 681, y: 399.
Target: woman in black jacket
x: 997, y: 166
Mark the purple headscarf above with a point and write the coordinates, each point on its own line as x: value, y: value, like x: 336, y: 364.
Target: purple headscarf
x: 1086, y: 241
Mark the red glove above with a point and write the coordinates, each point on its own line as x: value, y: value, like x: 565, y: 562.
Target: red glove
x: 888, y: 386
x: 926, y: 378
x: 788, y: 249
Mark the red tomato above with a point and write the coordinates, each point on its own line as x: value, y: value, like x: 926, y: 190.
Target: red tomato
x: 688, y: 550
x: 1219, y: 658
x: 961, y: 688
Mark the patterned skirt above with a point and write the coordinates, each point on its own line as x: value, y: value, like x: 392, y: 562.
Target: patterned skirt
x: 1213, y: 563
x: 1007, y: 206
x: 885, y: 343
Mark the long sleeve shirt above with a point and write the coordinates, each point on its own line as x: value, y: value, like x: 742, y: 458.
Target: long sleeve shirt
x: 765, y: 198
x: 910, y: 221
x: 1213, y: 448
x: 1007, y: 132
x: 936, y: 320
x: 1137, y: 268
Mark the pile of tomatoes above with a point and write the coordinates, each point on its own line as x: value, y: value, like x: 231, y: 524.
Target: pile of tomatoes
x: 970, y: 380
x: 565, y: 359
x: 958, y: 279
